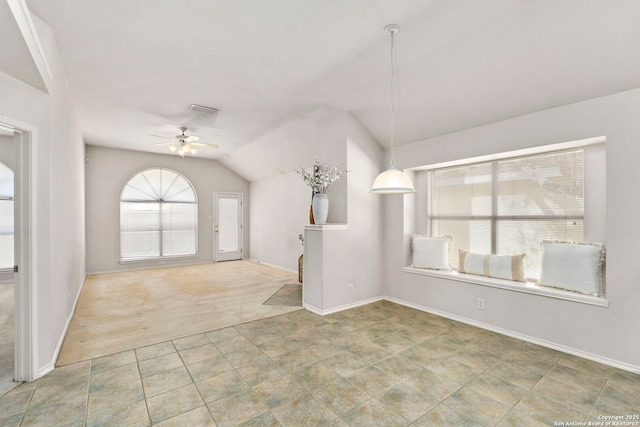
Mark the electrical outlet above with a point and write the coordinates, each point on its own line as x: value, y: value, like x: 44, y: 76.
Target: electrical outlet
x: 480, y: 304
x: 350, y: 288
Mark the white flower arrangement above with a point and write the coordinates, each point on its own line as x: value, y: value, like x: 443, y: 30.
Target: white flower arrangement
x: 321, y: 177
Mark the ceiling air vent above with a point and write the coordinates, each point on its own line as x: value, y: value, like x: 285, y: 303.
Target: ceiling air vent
x: 203, y: 109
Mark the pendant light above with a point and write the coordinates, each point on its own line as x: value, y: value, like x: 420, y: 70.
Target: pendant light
x: 392, y: 181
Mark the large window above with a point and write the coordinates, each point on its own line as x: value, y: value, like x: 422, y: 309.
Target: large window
x: 158, y: 216
x: 509, y: 206
x: 6, y: 217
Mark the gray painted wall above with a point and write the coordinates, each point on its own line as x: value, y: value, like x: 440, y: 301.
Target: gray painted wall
x: 59, y: 213
x: 107, y: 172
x: 351, y: 256
x: 280, y: 210
x: 280, y: 203
x: 604, y: 333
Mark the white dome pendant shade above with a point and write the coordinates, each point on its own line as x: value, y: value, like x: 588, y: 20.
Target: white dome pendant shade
x: 392, y: 181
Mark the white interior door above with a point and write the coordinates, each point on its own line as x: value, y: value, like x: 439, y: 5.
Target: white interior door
x: 227, y: 227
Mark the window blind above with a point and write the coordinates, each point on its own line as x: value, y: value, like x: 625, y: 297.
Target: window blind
x: 228, y: 224
x: 158, y: 216
x: 508, y: 207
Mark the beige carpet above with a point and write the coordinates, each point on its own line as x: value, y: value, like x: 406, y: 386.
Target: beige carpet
x: 126, y: 310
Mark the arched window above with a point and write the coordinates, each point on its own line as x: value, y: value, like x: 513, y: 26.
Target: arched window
x: 6, y: 217
x: 158, y: 216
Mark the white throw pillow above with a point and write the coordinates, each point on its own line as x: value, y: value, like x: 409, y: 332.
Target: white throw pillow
x: 508, y: 267
x: 572, y: 266
x: 431, y: 252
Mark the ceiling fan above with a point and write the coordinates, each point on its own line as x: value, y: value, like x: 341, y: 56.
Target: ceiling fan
x: 184, y: 144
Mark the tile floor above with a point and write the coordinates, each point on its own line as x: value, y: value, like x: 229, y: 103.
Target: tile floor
x: 288, y: 295
x: 377, y: 365
x: 7, y: 338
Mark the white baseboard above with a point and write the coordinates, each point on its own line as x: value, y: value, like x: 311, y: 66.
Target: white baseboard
x: 149, y: 266
x: 51, y: 365
x: 272, y: 265
x: 46, y: 369
x: 533, y: 340
x: 341, y: 307
x: 312, y: 309
x: 7, y: 276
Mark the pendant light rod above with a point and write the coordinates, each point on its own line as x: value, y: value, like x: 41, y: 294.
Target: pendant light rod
x: 392, y: 181
x: 392, y: 30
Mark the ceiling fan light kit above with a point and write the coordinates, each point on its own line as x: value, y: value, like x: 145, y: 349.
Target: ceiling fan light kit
x: 392, y: 181
x: 184, y: 144
x: 183, y: 149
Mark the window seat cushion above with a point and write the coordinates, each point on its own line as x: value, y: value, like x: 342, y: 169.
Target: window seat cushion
x: 508, y: 267
x: 575, y: 266
x: 431, y: 252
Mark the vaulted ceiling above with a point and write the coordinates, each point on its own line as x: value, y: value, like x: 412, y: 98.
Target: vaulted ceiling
x: 134, y: 67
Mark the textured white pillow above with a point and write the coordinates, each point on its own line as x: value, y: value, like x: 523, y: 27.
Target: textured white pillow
x: 572, y: 266
x: 508, y: 267
x: 431, y: 252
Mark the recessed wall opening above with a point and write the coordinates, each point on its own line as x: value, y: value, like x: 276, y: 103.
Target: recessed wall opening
x: 18, y: 154
x: 7, y: 260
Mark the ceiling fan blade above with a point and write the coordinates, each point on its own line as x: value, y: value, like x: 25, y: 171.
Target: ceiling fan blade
x: 190, y: 138
x: 163, y: 137
x: 165, y: 143
x: 205, y: 144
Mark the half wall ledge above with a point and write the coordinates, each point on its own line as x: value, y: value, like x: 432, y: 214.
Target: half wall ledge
x: 327, y: 227
x: 323, y: 265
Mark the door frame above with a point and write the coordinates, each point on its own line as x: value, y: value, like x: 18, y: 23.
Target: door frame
x: 215, y: 223
x: 25, y: 238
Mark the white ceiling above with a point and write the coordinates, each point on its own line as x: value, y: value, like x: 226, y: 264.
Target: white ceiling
x: 134, y: 67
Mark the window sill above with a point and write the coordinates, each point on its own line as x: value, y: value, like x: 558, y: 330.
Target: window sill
x: 156, y: 259
x: 526, y: 287
x: 327, y: 227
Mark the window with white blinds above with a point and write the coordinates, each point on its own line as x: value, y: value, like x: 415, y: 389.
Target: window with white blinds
x: 509, y: 206
x: 6, y: 217
x: 158, y: 216
x: 228, y: 211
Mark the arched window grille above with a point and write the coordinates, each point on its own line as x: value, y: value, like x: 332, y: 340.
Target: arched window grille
x: 158, y: 216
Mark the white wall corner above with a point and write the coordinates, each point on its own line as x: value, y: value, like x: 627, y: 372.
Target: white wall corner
x: 342, y: 307
x: 51, y: 365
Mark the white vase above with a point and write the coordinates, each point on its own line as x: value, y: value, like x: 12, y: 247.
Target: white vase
x: 320, y: 208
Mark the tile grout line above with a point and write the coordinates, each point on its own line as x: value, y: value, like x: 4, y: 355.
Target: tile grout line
x: 144, y: 391
x: 193, y: 381
x: 86, y: 409
x: 370, y: 337
x: 26, y: 409
x: 595, y: 402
